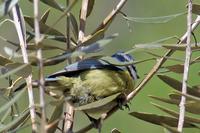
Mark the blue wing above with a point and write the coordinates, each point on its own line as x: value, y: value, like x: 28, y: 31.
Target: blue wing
x: 88, y: 64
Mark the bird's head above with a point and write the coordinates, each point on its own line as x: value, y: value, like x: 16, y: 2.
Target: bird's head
x: 123, y: 57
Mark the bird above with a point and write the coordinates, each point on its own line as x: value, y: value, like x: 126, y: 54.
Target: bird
x: 95, y: 85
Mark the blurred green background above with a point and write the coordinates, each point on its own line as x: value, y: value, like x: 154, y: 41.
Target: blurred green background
x: 141, y: 33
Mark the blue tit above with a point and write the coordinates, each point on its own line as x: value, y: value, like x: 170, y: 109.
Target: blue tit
x: 94, y: 79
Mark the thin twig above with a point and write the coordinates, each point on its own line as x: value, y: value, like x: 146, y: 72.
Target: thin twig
x: 22, y: 40
x: 40, y: 65
x: 83, y: 16
x: 186, y: 68
x: 68, y: 27
x: 69, y: 115
x: 152, y: 72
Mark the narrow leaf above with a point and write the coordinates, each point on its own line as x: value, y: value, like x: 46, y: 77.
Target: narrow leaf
x: 177, y: 85
x: 52, y: 3
x: 32, y: 46
x: 56, y: 115
x: 90, y: 7
x: 193, y: 107
x: 4, y: 60
x: 159, y: 119
x: 80, y: 51
x: 99, y: 103
x: 170, y: 129
x: 94, y: 37
x: 15, y: 68
x: 45, y: 16
x: 115, y: 130
x: 43, y: 27
x: 170, y: 101
x: 74, y: 24
x: 16, y: 122
x: 179, y: 68
x: 154, y: 20
x: 20, y: 69
x: 12, y: 101
x: 196, y: 9
x: 180, y: 47
x: 175, y: 114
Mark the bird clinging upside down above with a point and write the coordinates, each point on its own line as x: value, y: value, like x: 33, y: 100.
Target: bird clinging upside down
x: 91, y: 80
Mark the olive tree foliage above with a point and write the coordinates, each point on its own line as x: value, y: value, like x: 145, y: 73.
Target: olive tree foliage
x: 77, y: 45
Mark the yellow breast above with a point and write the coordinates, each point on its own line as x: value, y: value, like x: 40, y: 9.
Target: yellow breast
x: 104, y: 82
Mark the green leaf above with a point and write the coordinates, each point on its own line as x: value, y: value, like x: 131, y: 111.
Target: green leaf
x: 6, y: 6
x: 32, y: 46
x: 20, y: 69
x: 52, y: 3
x: 177, y: 96
x: 175, y: 114
x: 90, y: 7
x: 45, y: 16
x: 177, y: 85
x: 160, y: 120
x: 99, y: 103
x: 80, y: 51
x: 43, y: 27
x: 178, y: 68
x: 154, y: 20
x: 4, y: 60
x: 94, y: 37
x: 115, y: 130
x: 55, y: 116
x: 196, y: 9
x: 16, y: 122
x: 12, y: 101
x: 170, y: 129
x: 74, y: 24
x: 6, y: 115
x: 193, y: 107
x: 17, y: 68
x: 180, y: 47
x: 170, y: 101
x: 97, y: 108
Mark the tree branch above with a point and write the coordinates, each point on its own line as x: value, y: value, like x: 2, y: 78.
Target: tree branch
x: 22, y: 39
x: 83, y: 18
x: 40, y: 65
x: 186, y: 68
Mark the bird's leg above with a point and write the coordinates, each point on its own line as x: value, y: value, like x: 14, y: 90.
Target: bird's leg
x: 121, y: 102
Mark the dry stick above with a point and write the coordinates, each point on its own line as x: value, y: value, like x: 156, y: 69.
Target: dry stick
x: 23, y: 45
x: 186, y: 68
x: 83, y: 15
x: 155, y: 68
x: 69, y: 115
x: 40, y: 65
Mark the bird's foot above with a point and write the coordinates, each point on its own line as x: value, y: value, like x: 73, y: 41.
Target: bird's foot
x: 122, y: 102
